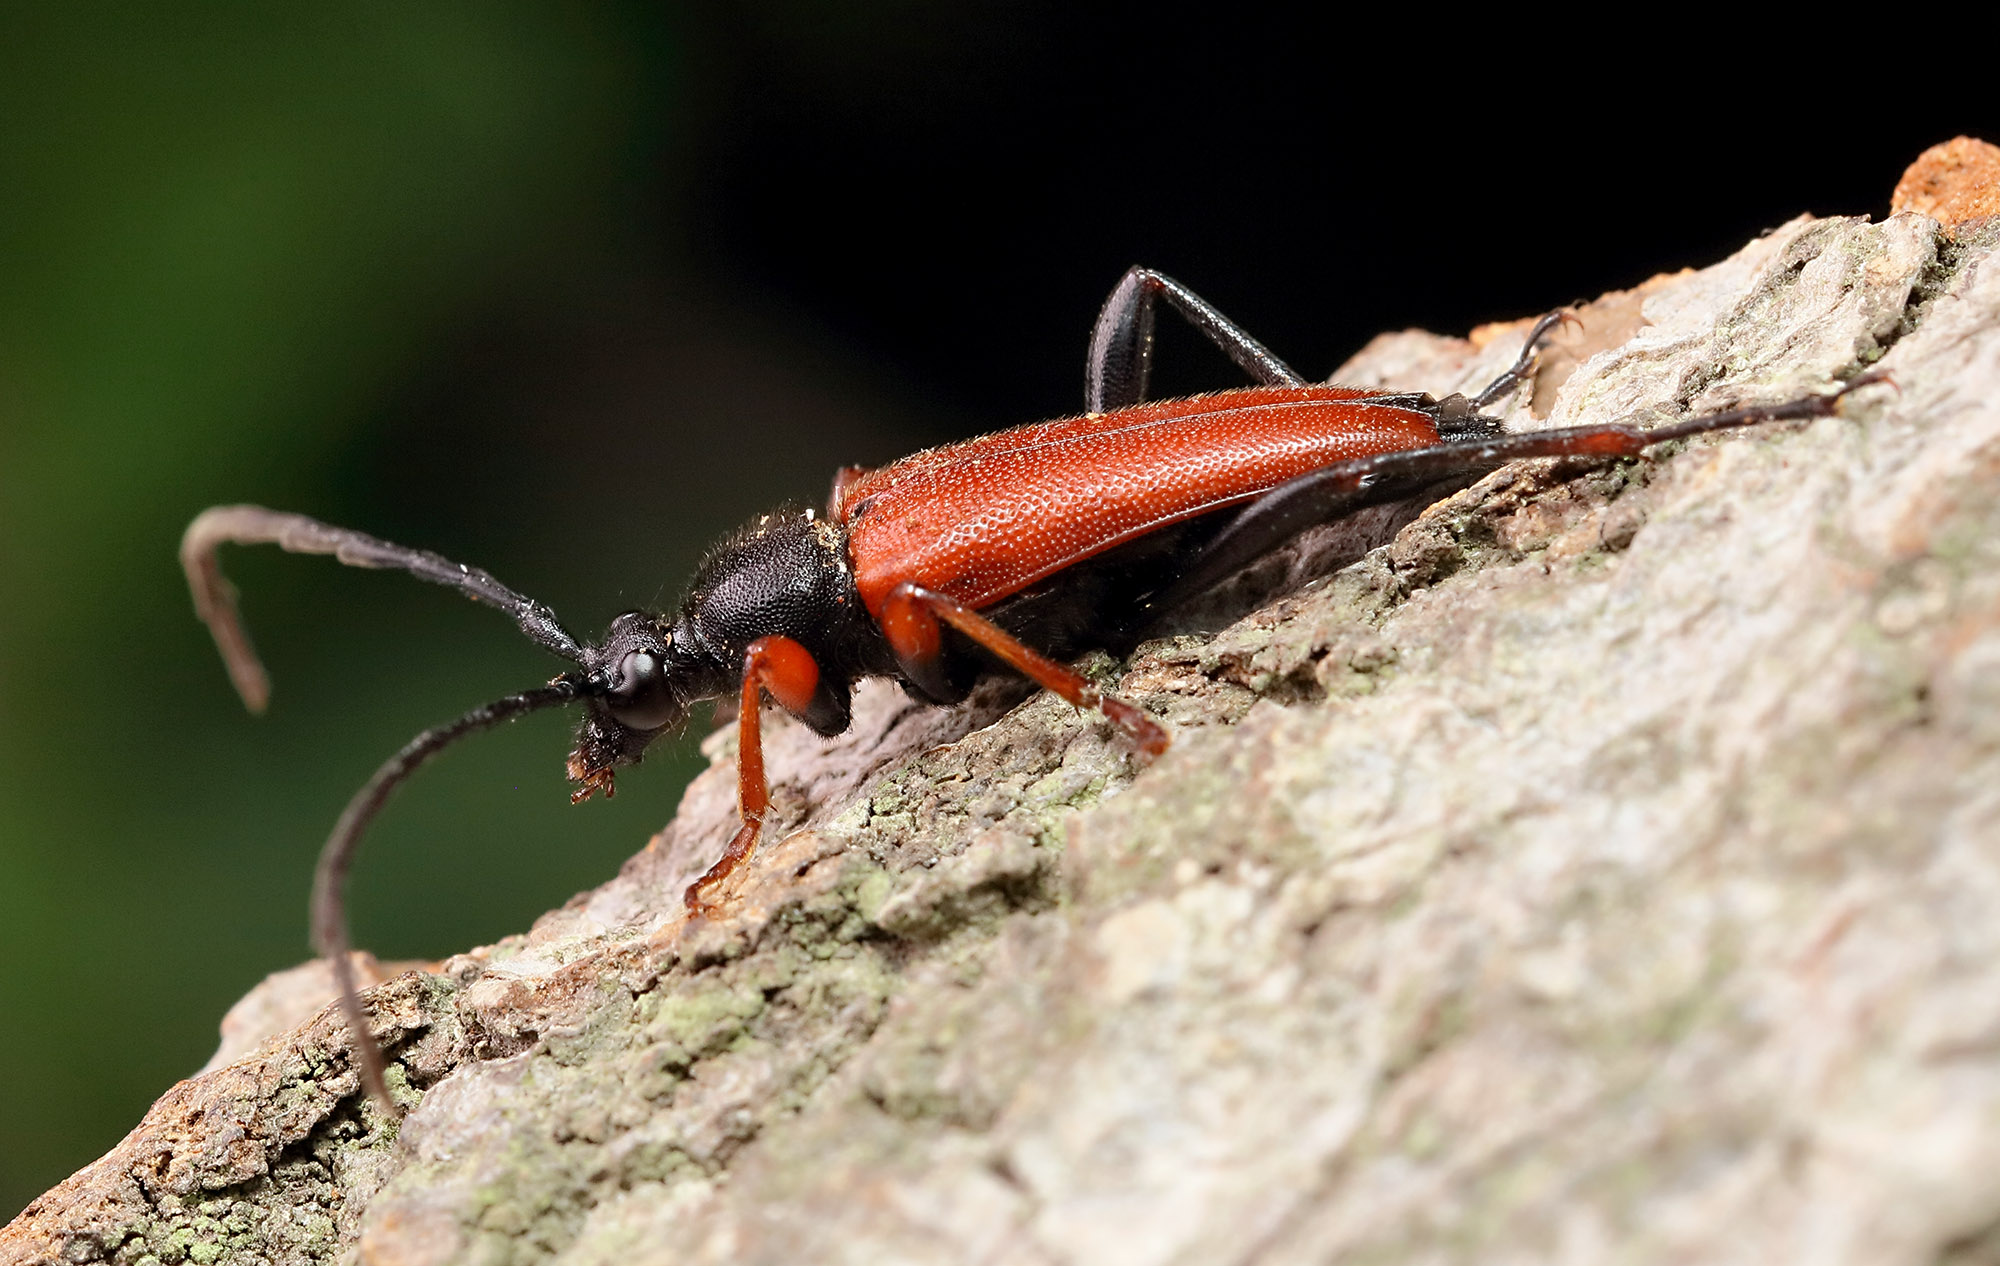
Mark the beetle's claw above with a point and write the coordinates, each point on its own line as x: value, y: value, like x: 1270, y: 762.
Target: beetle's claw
x: 1546, y: 326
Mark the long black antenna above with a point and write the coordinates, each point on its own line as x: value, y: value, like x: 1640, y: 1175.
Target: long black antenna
x: 215, y: 603
x: 215, y: 598
x: 329, y: 896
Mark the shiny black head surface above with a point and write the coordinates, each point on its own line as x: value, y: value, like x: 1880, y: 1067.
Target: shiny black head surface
x: 632, y: 693
x: 785, y: 574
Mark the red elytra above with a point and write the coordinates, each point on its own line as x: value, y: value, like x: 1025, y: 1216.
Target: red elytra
x: 983, y: 519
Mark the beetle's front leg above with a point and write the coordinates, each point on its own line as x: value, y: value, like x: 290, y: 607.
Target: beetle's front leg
x: 1531, y: 354
x: 910, y: 617
x: 786, y: 671
x: 1458, y: 417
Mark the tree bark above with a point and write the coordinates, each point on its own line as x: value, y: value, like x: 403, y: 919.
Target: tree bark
x: 1608, y: 864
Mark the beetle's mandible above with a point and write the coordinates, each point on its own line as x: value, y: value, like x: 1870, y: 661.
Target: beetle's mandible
x: 1014, y: 551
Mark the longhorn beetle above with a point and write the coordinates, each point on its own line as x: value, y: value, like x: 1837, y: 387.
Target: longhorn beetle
x: 1016, y: 550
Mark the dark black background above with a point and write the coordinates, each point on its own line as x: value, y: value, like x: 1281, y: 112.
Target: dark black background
x: 959, y: 201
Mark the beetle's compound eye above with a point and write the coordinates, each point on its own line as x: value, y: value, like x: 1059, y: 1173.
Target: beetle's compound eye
x: 641, y: 698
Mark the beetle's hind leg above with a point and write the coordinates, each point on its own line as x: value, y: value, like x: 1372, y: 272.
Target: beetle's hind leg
x: 1121, y: 343
x: 1323, y: 495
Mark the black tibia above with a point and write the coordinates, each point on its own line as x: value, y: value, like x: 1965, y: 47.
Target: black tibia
x: 1121, y: 355
x: 1321, y: 496
x: 1121, y: 343
x: 329, y: 900
x: 1801, y: 409
x: 215, y: 599
x: 1332, y: 492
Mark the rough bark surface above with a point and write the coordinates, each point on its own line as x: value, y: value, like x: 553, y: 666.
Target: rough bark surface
x: 1608, y: 865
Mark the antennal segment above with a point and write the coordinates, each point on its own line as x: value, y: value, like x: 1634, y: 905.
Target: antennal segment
x: 215, y: 597
x: 329, y: 895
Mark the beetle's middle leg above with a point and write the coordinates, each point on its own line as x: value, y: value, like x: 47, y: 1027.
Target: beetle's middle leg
x: 1121, y: 343
x: 910, y: 618
x: 1121, y: 355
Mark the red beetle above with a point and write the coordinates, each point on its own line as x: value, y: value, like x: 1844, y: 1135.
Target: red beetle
x: 1018, y: 549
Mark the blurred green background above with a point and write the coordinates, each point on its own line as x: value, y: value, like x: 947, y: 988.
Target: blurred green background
x: 564, y: 290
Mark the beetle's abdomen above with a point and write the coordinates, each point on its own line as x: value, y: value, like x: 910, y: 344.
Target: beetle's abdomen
x: 986, y: 518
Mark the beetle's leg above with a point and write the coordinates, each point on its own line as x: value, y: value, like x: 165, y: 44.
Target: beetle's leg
x: 910, y: 618
x: 1326, y: 494
x: 1121, y: 343
x: 788, y: 672
x: 843, y: 479
x: 1319, y: 496
x: 1531, y: 352
x: 1458, y: 417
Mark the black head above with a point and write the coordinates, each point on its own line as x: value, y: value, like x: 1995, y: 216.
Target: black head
x: 784, y: 574
x: 638, y: 685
